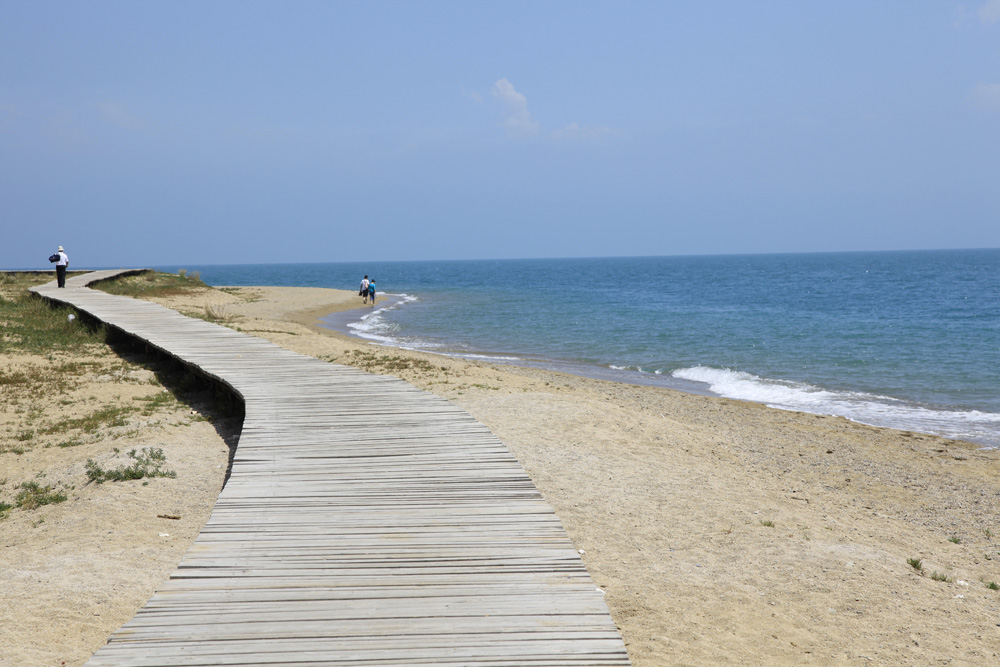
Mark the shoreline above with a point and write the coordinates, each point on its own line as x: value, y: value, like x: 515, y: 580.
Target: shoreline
x: 337, y: 322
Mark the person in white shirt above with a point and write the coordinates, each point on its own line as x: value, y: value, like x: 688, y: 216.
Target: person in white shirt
x: 61, y: 265
x: 364, y: 288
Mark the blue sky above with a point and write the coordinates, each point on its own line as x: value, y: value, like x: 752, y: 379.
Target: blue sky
x: 141, y: 133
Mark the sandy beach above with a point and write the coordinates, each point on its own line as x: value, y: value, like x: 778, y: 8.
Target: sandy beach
x: 723, y: 532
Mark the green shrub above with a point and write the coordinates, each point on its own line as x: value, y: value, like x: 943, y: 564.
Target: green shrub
x: 148, y: 463
x: 33, y: 495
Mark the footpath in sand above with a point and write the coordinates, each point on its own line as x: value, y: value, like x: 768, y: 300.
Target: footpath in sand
x: 723, y: 532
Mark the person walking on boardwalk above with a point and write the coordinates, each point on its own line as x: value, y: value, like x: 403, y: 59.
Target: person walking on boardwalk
x: 62, y: 263
x: 371, y: 291
x: 364, y: 289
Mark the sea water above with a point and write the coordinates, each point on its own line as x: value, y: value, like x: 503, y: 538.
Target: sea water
x: 908, y: 340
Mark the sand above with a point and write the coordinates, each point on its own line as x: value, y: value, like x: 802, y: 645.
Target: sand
x: 723, y: 532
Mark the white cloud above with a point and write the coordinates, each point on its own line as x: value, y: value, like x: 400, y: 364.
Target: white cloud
x: 115, y: 115
x: 517, y: 119
x: 987, y: 96
x: 990, y: 12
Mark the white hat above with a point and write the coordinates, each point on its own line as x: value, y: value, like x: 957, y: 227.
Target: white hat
x: 60, y: 249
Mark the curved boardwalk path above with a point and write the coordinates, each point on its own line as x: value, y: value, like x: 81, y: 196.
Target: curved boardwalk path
x: 365, y: 522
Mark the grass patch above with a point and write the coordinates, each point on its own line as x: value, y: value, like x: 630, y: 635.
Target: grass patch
x: 371, y: 361
x: 937, y: 576
x: 148, y: 463
x: 33, y: 495
x: 49, y: 378
x: 107, y: 417
x: 217, y: 314
x: 29, y: 324
x: 916, y: 564
x: 154, y: 284
x: 162, y: 399
x: 768, y: 523
x: 954, y: 540
x: 993, y: 586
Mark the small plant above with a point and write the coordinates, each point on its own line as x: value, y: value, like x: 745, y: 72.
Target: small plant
x: 33, y: 495
x: 148, y: 463
x: 937, y: 576
x: 988, y: 533
x: 216, y: 313
x: 916, y: 564
x: 768, y: 523
x: 993, y: 586
x: 954, y: 540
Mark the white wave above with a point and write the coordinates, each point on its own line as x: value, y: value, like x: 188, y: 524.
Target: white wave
x: 861, y: 407
x: 373, y: 325
x: 406, y: 298
x: 487, y: 357
x: 748, y: 387
x: 625, y: 368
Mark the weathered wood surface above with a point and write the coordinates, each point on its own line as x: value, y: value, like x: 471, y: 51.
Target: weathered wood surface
x: 365, y: 522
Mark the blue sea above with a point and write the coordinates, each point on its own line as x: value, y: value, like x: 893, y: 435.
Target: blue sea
x: 909, y: 340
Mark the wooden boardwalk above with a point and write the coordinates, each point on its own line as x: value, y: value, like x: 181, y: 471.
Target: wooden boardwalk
x: 365, y: 522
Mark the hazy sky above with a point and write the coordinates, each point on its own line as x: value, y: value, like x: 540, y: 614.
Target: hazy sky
x: 141, y: 133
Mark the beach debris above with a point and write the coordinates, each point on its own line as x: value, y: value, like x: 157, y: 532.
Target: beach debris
x: 168, y: 516
x: 71, y: 317
x: 164, y: 534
